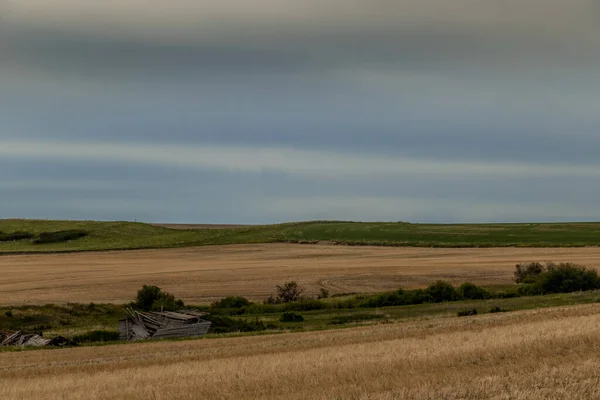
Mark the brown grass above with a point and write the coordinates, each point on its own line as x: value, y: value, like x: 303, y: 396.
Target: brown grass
x: 540, y: 354
x: 201, y: 275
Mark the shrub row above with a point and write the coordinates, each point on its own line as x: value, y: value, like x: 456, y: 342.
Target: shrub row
x: 539, y: 279
x: 60, y: 236
x: 535, y: 279
x: 437, y: 292
x: 44, y: 237
x: 222, y: 324
x: 15, y: 236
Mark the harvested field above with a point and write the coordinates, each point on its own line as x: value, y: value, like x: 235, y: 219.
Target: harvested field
x: 203, y: 274
x: 538, y: 354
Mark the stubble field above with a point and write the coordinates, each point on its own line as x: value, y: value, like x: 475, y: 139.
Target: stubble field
x: 537, y: 354
x: 203, y: 274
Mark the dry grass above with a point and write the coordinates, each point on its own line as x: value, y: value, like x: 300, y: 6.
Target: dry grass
x: 203, y: 274
x: 540, y: 354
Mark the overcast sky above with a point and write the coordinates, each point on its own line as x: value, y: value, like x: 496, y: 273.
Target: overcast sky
x: 279, y: 110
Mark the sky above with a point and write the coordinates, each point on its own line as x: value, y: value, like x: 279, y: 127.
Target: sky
x: 269, y: 111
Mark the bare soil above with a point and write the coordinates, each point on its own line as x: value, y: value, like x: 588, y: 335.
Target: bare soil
x: 203, y: 274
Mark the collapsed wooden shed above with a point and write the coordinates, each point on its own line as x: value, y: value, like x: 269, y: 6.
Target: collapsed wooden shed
x: 162, y: 325
x: 18, y: 338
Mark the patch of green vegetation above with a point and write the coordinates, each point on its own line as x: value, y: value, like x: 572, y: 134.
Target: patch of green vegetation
x: 15, y: 236
x: 60, y: 236
x: 355, y: 318
x: 67, y: 320
x: 129, y: 235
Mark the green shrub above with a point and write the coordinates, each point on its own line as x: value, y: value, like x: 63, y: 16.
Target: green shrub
x: 323, y: 294
x: 470, y: 291
x: 528, y: 272
x: 96, y: 336
x: 291, y: 317
x: 15, y: 236
x: 466, y: 313
x: 222, y: 324
x: 232, y: 305
x: 386, y: 299
x: 8, y: 314
x: 441, y: 291
x: 154, y: 298
x: 232, y: 302
x: 416, y: 296
x: 497, y: 310
x: 60, y: 236
x: 565, y: 278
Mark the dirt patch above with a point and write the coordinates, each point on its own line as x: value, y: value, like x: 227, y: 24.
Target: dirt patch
x: 204, y: 274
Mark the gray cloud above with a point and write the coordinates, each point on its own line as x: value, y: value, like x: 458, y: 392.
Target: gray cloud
x: 188, y: 39
x: 451, y: 110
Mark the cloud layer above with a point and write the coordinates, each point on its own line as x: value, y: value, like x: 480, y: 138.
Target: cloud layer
x: 315, y: 109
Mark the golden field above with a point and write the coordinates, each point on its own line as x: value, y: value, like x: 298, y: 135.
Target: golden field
x: 203, y: 274
x: 538, y: 354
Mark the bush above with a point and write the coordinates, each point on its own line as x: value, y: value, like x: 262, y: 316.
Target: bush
x: 8, y: 314
x: 441, y: 291
x: 153, y: 298
x: 60, y: 236
x: 15, y: 236
x: 323, y: 294
x: 221, y: 324
x: 528, y: 272
x: 565, y: 278
x: 288, y: 292
x: 466, y: 313
x: 470, y: 291
x: 291, y: 317
x: 416, y: 296
x: 232, y: 305
x: 498, y: 310
x: 386, y: 299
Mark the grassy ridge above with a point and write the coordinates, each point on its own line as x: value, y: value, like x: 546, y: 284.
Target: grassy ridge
x: 129, y: 235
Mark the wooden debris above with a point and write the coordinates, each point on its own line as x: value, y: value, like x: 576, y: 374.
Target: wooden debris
x: 18, y: 338
x: 162, y: 325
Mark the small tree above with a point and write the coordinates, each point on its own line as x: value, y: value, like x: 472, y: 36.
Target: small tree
x: 441, y: 291
x: 470, y: 291
x: 529, y: 272
x: 151, y: 297
x: 290, y: 291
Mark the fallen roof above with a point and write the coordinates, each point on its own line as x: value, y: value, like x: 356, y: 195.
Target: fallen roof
x: 18, y: 338
x: 164, y: 324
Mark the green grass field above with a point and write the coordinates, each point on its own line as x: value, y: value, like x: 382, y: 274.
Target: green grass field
x: 129, y: 235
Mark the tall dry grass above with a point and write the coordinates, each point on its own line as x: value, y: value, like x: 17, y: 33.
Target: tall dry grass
x: 541, y: 354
